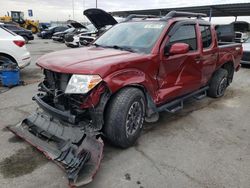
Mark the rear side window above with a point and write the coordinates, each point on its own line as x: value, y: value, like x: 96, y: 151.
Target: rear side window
x: 185, y: 34
x: 206, y: 36
x: 11, y: 27
x: 5, y: 32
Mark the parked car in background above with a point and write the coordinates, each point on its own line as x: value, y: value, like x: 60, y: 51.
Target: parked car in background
x: 26, y: 34
x: 101, y: 20
x: 13, y: 49
x: 240, y: 37
x: 76, y: 28
x: 246, y: 52
x: 59, y: 36
x: 48, y: 33
x: 72, y: 39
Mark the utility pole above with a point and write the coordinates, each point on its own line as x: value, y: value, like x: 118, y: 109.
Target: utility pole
x: 83, y: 7
x: 73, y: 8
x: 95, y: 3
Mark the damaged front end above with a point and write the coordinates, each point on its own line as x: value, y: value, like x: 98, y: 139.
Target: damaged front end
x: 67, y: 127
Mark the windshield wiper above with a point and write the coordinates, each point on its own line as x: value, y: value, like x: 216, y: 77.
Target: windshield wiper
x: 115, y: 47
x: 122, y: 48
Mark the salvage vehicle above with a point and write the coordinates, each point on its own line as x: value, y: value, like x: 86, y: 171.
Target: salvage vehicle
x: 59, y: 36
x: 72, y: 39
x: 13, y: 49
x: 246, y: 52
x: 48, y: 33
x: 101, y: 20
x: 26, y: 34
x: 136, y: 69
x: 241, y: 37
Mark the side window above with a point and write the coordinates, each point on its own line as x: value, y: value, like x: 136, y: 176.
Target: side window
x: 185, y: 34
x: 57, y: 29
x: 62, y: 29
x: 206, y: 36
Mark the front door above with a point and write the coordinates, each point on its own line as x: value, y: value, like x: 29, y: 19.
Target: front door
x: 180, y: 74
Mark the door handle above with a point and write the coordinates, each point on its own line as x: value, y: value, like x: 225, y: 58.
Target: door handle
x: 197, y: 59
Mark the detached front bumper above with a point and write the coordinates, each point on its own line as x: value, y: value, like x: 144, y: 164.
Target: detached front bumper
x: 74, y: 147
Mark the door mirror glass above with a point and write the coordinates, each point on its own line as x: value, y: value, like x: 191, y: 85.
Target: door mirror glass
x: 177, y: 48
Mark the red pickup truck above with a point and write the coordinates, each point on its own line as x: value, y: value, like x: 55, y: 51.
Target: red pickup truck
x: 132, y: 72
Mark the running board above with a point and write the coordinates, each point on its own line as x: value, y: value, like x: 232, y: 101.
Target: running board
x: 177, y: 104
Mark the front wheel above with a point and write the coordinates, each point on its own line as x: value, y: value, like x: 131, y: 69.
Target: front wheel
x: 218, y: 84
x: 124, y: 117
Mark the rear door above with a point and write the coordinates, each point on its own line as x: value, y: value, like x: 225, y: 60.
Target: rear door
x: 180, y: 74
x: 209, y: 55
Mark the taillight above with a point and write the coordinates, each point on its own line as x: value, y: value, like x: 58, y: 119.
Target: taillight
x: 19, y: 43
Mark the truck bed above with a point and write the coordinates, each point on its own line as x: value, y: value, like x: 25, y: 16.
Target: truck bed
x: 229, y: 49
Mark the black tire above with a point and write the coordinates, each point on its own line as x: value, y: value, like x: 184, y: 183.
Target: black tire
x: 5, y: 60
x: 218, y: 84
x: 125, y: 110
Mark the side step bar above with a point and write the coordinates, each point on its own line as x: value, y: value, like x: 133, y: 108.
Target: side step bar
x: 177, y: 104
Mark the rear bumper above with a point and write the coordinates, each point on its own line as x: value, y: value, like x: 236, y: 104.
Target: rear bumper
x: 57, y: 38
x: 25, y: 61
x: 31, y: 37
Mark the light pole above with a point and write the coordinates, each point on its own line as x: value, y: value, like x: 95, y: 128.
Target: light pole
x: 73, y: 8
x: 95, y: 3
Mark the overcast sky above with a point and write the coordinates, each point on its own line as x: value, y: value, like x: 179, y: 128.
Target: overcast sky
x: 61, y: 10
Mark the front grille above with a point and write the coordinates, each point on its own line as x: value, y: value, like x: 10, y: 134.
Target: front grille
x: 55, y: 85
x: 246, y: 56
x: 56, y: 81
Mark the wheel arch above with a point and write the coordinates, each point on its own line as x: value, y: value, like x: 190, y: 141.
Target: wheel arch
x: 150, y: 106
x: 8, y: 56
x: 229, y: 66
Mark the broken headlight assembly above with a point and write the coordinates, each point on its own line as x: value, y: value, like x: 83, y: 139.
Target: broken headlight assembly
x: 81, y: 84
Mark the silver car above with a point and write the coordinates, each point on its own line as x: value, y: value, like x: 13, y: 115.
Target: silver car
x: 246, y: 52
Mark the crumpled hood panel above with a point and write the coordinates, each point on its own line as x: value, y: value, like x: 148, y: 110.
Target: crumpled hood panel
x: 88, y: 60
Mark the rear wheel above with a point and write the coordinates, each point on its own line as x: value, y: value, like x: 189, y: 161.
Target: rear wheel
x: 5, y: 60
x: 124, y: 117
x: 218, y: 84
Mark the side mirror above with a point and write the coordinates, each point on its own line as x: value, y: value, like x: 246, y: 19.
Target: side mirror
x: 177, y: 48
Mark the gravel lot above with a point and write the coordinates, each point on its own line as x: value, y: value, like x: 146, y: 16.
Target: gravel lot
x: 205, y: 145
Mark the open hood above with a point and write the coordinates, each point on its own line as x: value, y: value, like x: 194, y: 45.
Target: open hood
x: 99, y: 18
x: 75, y: 24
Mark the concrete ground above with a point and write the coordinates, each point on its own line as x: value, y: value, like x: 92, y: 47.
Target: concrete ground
x: 205, y: 145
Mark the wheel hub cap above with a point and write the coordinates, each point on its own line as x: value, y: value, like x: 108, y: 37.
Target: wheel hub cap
x: 134, y: 118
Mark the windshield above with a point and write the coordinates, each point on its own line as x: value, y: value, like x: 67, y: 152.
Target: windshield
x: 135, y: 36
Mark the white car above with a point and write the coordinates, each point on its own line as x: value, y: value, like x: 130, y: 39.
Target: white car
x: 246, y: 52
x: 74, y: 42
x: 13, y: 49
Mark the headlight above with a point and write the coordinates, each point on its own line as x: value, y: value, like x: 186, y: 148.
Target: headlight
x: 80, y: 84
